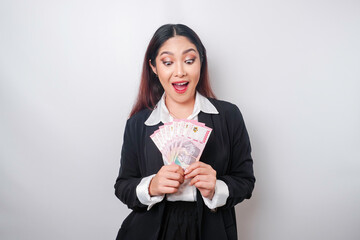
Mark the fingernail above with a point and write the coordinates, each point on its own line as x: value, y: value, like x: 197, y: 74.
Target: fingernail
x: 186, y: 171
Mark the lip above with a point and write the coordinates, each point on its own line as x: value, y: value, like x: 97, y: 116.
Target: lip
x: 180, y: 82
x: 180, y: 91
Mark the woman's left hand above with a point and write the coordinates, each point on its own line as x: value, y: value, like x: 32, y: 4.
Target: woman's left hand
x: 204, y: 178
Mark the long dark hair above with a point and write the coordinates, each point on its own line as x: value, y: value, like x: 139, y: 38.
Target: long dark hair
x: 150, y: 90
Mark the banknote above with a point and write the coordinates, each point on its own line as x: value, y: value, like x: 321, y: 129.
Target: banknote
x: 181, y: 141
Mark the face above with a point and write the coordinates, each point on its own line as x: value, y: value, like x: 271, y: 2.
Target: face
x: 178, y: 68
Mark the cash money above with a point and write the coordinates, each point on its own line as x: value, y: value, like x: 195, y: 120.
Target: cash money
x: 181, y: 141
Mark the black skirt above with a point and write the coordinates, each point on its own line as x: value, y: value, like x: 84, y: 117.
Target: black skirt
x: 180, y: 221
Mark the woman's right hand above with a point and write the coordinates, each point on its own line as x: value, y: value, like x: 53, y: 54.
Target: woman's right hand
x: 167, y: 180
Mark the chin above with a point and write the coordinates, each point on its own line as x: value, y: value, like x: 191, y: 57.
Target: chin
x: 186, y: 97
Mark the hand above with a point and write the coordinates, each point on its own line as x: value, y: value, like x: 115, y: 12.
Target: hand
x: 204, y: 178
x: 167, y: 180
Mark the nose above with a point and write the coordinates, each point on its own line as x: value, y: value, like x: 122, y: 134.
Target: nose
x: 180, y: 71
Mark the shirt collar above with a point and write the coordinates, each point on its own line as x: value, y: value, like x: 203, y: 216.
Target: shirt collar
x: 161, y: 113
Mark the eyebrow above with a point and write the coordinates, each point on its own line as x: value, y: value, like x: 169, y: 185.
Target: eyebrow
x: 184, y: 52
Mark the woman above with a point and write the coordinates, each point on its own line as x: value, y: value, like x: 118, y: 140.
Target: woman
x: 167, y: 201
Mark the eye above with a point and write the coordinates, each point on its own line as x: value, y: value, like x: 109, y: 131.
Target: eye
x: 190, y: 61
x: 167, y: 63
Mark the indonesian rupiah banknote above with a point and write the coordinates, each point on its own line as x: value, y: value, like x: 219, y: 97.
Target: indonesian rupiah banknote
x: 181, y: 141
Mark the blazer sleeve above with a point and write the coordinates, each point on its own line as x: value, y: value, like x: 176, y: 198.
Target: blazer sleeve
x: 240, y: 177
x: 129, y: 174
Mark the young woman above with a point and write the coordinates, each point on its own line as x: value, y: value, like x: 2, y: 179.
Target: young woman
x: 167, y: 201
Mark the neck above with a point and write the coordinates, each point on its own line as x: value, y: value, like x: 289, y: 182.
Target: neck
x: 180, y: 110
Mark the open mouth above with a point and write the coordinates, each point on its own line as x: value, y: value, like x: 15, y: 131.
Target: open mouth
x: 180, y: 87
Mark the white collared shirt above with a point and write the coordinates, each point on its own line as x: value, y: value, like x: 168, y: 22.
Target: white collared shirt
x: 185, y: 191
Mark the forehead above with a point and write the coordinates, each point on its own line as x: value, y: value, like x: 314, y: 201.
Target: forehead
x: 176, y: 45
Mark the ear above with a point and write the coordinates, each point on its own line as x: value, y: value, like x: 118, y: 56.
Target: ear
x: 152, y: 67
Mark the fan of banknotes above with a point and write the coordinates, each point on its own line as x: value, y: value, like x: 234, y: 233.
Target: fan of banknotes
x: 181, y: 141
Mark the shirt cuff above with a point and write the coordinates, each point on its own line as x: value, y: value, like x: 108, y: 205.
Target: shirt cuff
x: 220, y: 196
x: 142, y: 193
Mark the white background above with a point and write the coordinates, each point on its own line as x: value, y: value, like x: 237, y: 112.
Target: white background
x: 69, y: 74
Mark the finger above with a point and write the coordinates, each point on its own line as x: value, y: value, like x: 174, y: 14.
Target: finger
x: 205, y: 185
x: 165, y: 190
x: 196, y: 165
x: 173, y: 176
x: 192, y: 166
x: 180, y: 171
x: 173, y: 168
x: 198, y: 178
x: 171, y: 183
x: 207, y: 193
x: 182, y: 179
x: 197, y: 171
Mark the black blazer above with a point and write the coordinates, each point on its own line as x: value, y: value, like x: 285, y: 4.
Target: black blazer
x: 228, y: 151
